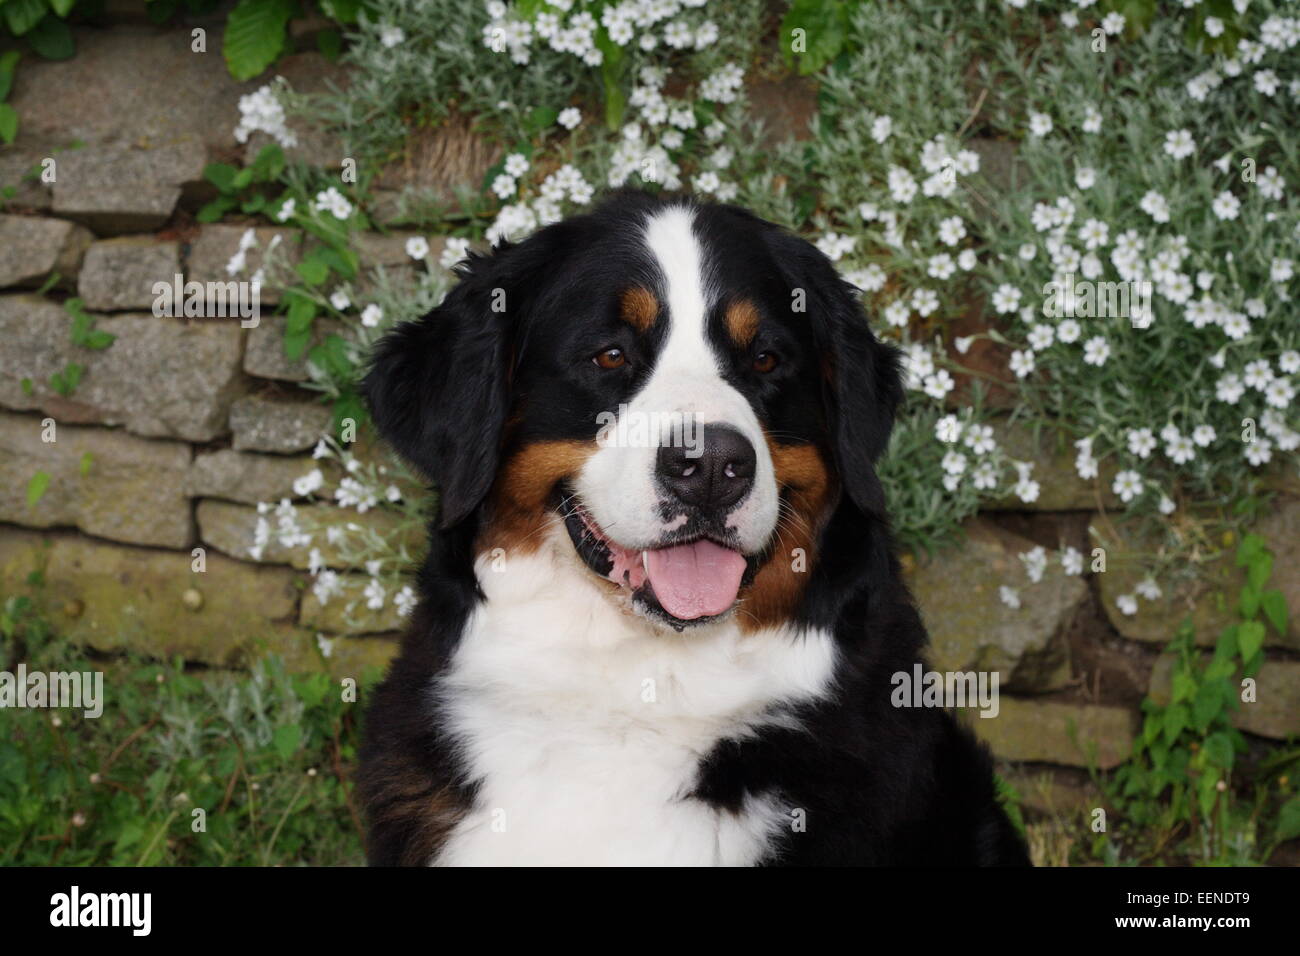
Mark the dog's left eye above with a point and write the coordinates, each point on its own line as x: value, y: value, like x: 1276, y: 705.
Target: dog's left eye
x: 610, y: 358
x: 765, y: 361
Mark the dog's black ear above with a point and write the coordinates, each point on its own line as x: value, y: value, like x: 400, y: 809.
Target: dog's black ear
x: 862, y: 387
x: 438, y: 388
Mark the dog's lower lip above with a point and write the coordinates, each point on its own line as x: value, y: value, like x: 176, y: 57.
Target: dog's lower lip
x: 632, y: 567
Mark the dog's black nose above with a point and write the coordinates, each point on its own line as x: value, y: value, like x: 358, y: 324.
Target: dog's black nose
x: 718, y: 477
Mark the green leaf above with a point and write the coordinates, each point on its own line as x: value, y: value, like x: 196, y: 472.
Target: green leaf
x: 8, y: 63
x: 52, y: 39
x: 221, y: 175
x: 344, y: 11
x: 286, y: 739
x: 62, y: 7
x: 8, y: 123
x: 66, y: 382
x: 22, y: 15
x: 26, y: 386
x: 1274, y: 605
x: 1288, y: 820
x: 313, y: 271
x: 36, y: 488
x: 214, y: 210
x: 1250, y: 638
x: 269, y: 163
x: 87, y: 460
x: 1175, y: 721
x: 255, y: 34
x: 818, y: 30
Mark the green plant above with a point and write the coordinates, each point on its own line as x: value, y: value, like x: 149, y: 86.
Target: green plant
x: 8, y: 115
x: 1179, y: 779
x: 184, y: 767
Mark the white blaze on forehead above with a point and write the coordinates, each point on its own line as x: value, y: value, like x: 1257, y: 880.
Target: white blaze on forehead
x: 618, y: 485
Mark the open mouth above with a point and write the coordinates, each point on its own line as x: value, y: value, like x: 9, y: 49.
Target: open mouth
x: 689, y: 578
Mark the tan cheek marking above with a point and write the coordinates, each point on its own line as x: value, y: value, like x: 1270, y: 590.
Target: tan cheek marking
x: 639, y: 308
x: 519, y: 503
x: 808, y: 487
x: 742, y: 322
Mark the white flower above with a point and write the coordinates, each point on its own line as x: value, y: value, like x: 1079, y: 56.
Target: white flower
x: 881, y: 127
x: 308, y: 483
x: 1085, y: 177
x: 1096, y: 351
x: 570, y: 117
x: 1213, y: 27
x: 1167, y: 506
x: 374, y: 595
x: 1072, y: 561
x: 1041, y: 337
x: 1281, y: 270
x: 1068, y: 331
x: 504, y: 186
x: 1229, y: 389
x: 1040, y: 124
x: 1035, y: 562
x: 1257, y: 374
x: 1271, y: 183
x: 952, y: 230
x: 404, y: 601
x: 339, y: 299
x: 979, y: 439
x: 1155, y: 206
x: 1094, y: 233
x: 1141, y: 442
x: 940, y: 266
x: 1113, y: 23
x: 516, y: 164
x: 333, y: 202
x: 1203, y: 435
x: 1279, y: 392
x: 1289, y: 361
x: 371, y: 315
x: 1179, y: 143
x: 1127, y: 604
x: 1022, y: 363
x: 947, y: 429
x: 1006, y: 298
x: 954, y: 463
x: 417, y: 247
x: 902, y: 187
x: 1226, y: 205
x: 287, y: 208
x: 1091, y: 119
x: 455, y: 250
x: 966, y: 259
x: 1259, y: 452
x: 1148, y: 588
x: 1128, y: 485
x: 925, y: 301
x: 1181, y: 449
x: 390, y: 36
x: 1009, y: 596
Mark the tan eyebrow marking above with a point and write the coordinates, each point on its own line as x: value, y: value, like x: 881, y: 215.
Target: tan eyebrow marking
x: 639, y: 308
x: 742, y: 320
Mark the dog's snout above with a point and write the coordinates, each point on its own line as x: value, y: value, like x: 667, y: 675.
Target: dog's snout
x: 717, y: 477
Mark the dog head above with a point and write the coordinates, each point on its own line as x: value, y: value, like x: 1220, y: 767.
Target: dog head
x: 682, y: 392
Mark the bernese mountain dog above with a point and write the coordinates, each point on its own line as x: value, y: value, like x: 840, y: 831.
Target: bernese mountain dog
x: 660, y: 611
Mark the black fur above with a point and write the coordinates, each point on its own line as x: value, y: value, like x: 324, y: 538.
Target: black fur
x: 458, y: 390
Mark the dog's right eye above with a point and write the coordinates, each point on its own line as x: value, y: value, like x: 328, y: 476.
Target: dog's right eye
x: 610, y: 358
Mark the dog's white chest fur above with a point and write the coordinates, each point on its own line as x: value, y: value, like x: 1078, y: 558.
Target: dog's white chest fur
x: 585, y: 727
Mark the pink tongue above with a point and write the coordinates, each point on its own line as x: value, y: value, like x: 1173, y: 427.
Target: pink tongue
x: 695, y: 580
